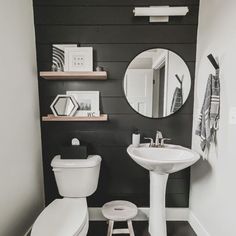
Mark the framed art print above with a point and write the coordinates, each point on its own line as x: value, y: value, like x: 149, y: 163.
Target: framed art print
x: 58, y: 55
x: 88, y: 102
x: 79, y: 59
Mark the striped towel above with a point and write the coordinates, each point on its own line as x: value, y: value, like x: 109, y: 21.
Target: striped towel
x: 210, y: 112
x: 177, y: 100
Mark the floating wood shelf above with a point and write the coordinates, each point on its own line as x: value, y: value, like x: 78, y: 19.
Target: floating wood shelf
x: 102, y: 117
x: 80, y: 75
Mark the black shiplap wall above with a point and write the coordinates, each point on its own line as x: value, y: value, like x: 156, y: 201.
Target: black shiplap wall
x: 117, y: 37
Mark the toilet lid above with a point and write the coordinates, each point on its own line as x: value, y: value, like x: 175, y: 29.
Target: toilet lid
x: 63, y: 217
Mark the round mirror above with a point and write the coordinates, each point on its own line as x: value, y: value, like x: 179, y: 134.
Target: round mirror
x: 157, y: 83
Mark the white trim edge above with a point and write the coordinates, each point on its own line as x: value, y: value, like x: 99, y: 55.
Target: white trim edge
x: 196, y: 225
x: 172, y: 214
x: 28, y: 231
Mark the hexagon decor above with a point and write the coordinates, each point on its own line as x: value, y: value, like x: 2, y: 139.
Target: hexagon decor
x: 64, y: 105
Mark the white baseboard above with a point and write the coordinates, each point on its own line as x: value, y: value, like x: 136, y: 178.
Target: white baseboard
x: 172, y: 214
x: 177, y: 214
x: 196, y: 225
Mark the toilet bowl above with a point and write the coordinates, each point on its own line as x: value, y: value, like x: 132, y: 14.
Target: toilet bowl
x: 76, y: 180
x: 63, y: 217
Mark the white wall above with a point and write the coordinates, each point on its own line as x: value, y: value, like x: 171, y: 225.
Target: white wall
x: 21, y: 183
x: 213, y: 188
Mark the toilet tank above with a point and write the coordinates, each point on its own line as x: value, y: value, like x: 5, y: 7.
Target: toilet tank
x: 78, y: 177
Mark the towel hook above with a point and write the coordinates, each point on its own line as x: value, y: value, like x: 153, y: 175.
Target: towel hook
x: 180, y: 80
x: 213, y: 61
x: 177, y: 77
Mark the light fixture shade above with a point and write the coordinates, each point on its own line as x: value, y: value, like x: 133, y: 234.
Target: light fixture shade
x: 160, y: 14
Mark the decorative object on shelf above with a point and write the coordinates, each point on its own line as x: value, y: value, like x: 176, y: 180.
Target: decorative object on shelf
x: 88, y: 102
x: 99, y: 68
x: 55, y: 68
x: 79, y: 59
x: 74, y: 151
x: 58, y: 56
x: 64, y: 105
x: 75, y: 142
x: 160, y: 13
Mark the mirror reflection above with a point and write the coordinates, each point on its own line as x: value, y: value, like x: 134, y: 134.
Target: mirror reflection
x: 157, y: 83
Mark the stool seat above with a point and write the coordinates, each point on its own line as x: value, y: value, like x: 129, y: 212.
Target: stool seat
x: 119, y: 211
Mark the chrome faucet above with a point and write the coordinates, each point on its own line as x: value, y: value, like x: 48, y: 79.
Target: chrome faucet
x: 159, y: 140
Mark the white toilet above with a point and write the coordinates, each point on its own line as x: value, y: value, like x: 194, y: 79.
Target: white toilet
x: 76, y: 179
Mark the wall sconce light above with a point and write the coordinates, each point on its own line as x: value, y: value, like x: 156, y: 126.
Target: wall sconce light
x: 160, y: 13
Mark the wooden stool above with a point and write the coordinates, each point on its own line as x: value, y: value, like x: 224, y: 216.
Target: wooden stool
x: 119, y: 211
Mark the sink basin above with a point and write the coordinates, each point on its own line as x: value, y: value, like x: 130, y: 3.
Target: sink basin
x: 161, y: 162
x: 165, y: 160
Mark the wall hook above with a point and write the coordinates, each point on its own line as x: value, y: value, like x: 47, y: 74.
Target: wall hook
x: 213, y: 61
x: 178, y: 78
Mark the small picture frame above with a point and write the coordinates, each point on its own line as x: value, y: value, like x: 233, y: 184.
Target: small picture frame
x: 88, y: 102
x: 79, y: 59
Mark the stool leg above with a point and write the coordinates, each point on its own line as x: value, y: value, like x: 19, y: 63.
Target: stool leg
x: 130, y: 227
x: 110, y: 228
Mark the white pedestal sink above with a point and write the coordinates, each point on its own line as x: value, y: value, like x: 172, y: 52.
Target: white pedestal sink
x: 161, y: 162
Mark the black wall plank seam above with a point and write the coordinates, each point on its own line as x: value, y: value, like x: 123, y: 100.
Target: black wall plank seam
x: 102, y: 16
x: 122, y: 52
x: 116, y: 37
x: 117, y: 34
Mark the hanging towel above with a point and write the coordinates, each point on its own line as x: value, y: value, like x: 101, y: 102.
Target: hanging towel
x: 210, y: 112
x: 177, y: 100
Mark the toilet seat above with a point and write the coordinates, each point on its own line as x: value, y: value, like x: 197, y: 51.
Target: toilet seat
x: 63, y: 217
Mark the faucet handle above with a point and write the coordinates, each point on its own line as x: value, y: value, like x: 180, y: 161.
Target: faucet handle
x: 151, y: 141
x: 163, y: 141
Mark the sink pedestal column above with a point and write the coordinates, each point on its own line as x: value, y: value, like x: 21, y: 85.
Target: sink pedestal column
x: 157, y: 212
